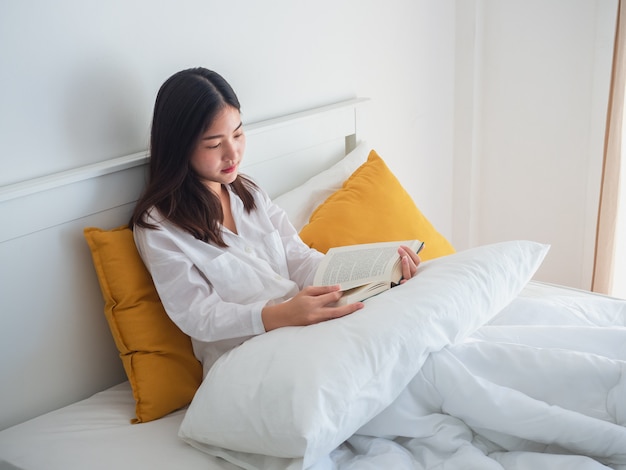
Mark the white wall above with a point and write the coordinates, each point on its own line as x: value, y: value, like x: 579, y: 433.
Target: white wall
x: 79, y: 77
x: 532, y: 82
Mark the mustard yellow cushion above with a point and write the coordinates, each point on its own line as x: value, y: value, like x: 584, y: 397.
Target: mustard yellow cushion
x: 157, y: 356
x: 372, y: 206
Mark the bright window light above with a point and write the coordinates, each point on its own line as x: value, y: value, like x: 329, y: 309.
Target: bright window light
x: 619, y: 267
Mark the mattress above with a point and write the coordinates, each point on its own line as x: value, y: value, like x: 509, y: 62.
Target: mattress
x: 96, y: 434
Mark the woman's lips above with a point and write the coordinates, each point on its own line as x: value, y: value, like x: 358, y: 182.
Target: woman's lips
x: 230, y: 169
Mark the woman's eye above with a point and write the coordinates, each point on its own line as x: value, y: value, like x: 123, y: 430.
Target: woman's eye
x: 237, y: 136
x: 213, y: 146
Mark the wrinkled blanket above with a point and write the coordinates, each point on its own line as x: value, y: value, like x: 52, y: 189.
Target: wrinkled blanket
x: 542, y: 386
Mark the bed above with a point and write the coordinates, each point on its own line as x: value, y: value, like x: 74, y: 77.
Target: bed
x: 487, y: 369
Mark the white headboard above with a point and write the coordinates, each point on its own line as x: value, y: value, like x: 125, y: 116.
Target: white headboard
x: 56, y: 347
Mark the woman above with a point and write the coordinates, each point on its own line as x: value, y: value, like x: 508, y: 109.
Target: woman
x: 225, y: 260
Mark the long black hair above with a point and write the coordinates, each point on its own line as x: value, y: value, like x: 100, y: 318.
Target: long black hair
x: 186, y: 105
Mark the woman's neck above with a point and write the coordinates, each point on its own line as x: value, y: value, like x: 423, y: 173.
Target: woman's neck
x: 229, y: 221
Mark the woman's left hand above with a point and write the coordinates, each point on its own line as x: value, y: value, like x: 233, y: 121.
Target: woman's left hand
x: 410, y: 262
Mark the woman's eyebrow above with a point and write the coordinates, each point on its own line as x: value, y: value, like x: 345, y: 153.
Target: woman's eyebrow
x: 209, y: 137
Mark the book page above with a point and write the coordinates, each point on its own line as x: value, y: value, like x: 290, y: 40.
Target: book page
x: 350, y: 268
x: 363, y: 270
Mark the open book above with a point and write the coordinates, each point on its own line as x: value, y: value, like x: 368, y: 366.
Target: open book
x: 363, y: 270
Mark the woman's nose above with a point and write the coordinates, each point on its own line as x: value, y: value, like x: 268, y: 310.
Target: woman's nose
x: 230, y: 150
x: 234, y: 149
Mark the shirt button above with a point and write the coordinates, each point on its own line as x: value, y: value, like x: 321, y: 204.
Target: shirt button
x: 248, y: 249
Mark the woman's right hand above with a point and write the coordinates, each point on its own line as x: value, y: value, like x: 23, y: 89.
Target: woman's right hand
x: 311, y: 305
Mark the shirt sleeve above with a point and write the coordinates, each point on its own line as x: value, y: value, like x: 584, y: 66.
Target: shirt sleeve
x: 302, y: 261
x: 187, y: 296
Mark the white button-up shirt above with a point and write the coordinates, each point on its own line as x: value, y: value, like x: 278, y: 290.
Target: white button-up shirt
x: 216, y: 294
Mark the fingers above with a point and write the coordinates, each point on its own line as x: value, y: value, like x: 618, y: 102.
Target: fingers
x: 326, y: 296
x: 405, y: 250
x: 322, y: 290
x: 323, y: 303
x: 343, y: 310
x: 322, y: 296
x: 410, y: 261
x: 406, y: 269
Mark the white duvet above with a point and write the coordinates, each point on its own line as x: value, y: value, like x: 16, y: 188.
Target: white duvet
x: 453, y: 370
x: 519, y: 396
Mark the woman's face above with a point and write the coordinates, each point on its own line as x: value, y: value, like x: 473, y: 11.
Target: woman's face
x: 219, y: 150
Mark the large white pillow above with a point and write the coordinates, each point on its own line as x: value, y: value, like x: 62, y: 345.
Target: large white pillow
x: 300, y: 202
x: 301, y: 391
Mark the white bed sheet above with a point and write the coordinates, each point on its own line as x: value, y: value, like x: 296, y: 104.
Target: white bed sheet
x: 96, y: 434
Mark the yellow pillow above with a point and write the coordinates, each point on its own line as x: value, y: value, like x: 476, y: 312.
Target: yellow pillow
x: 158, y: 358
x: 372, y: 206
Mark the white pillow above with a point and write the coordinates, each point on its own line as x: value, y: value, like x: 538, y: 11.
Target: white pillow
x: 301, y: 391
x: 300, y: 202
